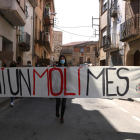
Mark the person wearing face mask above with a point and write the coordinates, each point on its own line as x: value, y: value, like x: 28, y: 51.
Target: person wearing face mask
x: 42, y: 64
x: 37, y: 65
x: 29, y: 64
x: 61, y: 63
x: 12, y: 64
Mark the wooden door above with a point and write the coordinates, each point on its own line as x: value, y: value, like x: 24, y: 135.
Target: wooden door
x: 81, y: 60
x: 137, y: 58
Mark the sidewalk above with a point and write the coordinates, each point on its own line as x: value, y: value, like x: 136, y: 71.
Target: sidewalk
x: 136, y: 100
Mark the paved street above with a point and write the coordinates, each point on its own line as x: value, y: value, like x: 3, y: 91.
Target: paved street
x: 85, y: 119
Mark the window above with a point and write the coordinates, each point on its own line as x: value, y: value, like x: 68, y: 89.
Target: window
x: 88, y: 49
x: 94, y: 48
x: 104, y: 37
x: 81, y: 50
x: 104, y: 7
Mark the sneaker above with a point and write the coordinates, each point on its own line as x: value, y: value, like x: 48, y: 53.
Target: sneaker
x: 57, y: 114
x: 61, y: 120
x: 12, y: 104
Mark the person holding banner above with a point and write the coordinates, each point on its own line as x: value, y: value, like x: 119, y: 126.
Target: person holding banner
x: 12, y: 64
x: 61, y: 63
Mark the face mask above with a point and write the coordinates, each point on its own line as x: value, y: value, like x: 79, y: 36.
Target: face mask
x: 29, y: 65
x: 37, y: 65
x: 62, y: 61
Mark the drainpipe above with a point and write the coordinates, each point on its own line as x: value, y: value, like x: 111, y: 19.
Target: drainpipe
x: 33, y: 33
x: 108, y: 24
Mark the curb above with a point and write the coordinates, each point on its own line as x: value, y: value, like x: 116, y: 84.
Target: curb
x: 136, y: 100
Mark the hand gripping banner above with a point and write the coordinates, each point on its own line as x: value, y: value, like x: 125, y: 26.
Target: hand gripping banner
x: 73, y: 82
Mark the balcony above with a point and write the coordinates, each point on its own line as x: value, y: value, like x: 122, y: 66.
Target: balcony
x: 129, y: 29
x: 47, y: 16
x: 46, y: 42
x: 66, y: 51
x: 24, y: 42
x: 12, y: 12
x: 112, y: 43
x: 38, y: 37
x: 33, y: 2
x: 113, y: 9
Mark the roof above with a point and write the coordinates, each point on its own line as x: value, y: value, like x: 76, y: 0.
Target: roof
x: 82, y: 43
x: 73, y: 43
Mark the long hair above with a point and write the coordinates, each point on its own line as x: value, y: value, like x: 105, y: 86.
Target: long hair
x: 59, y: 64
x: 12, y: 63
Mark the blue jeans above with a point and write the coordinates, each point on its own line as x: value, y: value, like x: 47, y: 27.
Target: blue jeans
x: 12, y: 99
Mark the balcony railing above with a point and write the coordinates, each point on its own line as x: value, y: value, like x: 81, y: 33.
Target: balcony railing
x: 24, y: 42
x: 113, y: 9
x: 46, y: 11
x: 38, y: 35
x: 129, y: 29
x: 47, y: 17
x: 13, y: 12
x: 66, y: 51
x: 112, y: 43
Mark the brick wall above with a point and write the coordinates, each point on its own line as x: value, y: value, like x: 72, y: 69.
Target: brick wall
x: 76, y: 49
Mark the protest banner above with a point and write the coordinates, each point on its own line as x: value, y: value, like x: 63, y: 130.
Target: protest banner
x: 73, y: 82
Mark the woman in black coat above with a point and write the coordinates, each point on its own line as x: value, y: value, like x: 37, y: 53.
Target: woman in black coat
x: 61, y: 63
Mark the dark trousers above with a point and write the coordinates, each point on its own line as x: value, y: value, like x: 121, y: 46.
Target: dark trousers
x: 63, y: 105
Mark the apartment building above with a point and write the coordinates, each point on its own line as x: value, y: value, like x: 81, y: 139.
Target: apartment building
x: 103, y: 5
x: 114, y: 47
x: 44, y: 20
x: 57, y: 42
x: 129, y: 33
x: 12, y: 15
x: 86, y: 52
x: 78, y: 53
x: 25, y: 34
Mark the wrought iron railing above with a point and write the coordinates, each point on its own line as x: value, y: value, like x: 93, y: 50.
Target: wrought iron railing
x: 24, y: 38
x: 129, y: 28
x: 24, y: 42
x: 112, y: 41
x: 46, y: 11
x: 113, y: 9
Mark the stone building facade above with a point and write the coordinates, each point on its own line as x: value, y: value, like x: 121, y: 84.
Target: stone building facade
x: 57, y: 42
x: 130, y: 34
x: 78, y: 53
x: 86, y: 53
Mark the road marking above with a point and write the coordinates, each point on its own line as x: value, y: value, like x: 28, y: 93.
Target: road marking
x: 124, y: 110
x: 136, y: 118
x: 113, y: 102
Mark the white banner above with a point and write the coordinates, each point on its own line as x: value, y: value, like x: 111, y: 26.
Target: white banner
x: 73, y: 82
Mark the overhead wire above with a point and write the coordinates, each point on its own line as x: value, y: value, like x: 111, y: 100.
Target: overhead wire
x: 74, y: 27
x: 72, y: 33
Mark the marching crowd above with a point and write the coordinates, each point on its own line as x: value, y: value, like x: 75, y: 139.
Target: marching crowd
x: 59, y: 101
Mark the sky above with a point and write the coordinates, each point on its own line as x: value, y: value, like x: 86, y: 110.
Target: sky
x: 74, y: 14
